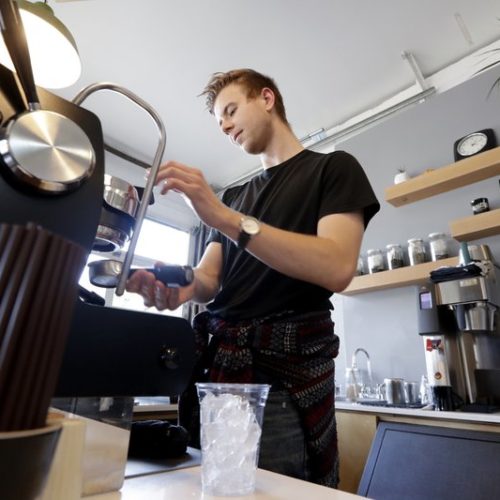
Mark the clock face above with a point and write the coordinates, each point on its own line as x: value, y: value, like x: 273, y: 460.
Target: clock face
x: 472, y: 144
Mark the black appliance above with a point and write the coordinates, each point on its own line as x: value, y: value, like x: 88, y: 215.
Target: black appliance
x: 415, y: 462
x: 109, y: 351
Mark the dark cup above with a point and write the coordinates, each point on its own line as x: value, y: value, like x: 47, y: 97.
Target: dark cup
x: 445, y: 399
x: 25, y: 458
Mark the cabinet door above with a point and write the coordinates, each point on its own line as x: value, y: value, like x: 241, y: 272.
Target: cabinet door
x: 355, y: 435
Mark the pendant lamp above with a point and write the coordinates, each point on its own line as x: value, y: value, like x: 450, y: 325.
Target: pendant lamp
x: 54, y: 56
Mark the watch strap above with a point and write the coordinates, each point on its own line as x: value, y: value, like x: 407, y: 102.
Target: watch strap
x: 249, y: 227
x: 243, y: 239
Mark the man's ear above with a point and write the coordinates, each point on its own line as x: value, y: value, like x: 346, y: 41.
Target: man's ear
x: 268, y: 96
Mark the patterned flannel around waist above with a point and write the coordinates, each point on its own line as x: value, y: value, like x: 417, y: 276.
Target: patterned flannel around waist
x: 287, y: 347
x: 295, y: 351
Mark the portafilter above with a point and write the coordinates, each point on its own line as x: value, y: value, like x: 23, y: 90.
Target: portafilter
x: 106, y: 273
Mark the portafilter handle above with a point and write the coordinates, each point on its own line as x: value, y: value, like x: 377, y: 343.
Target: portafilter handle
x: 141, y: 213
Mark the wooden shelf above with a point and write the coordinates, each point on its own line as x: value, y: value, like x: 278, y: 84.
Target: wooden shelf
x: 476, y: 226
x: 441, y: 180
x: 459, y: 174
x: 404, y: 276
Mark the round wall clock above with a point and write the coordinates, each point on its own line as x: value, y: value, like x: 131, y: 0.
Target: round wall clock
x: 474, y: 143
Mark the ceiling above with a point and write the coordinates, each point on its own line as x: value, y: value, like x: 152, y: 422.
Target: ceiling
x: 332, y: 59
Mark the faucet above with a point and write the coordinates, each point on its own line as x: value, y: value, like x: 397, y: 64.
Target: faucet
x: 354, y: 366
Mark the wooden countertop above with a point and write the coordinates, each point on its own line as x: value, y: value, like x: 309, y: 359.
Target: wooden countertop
x: 488, y: 418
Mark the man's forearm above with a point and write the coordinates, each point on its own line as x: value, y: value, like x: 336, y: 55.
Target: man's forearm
x: 205, y: 286
x: 324, y: 261
x: 305, y: 257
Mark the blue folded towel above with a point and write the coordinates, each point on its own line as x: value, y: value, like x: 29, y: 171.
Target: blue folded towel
x: 451, y: 273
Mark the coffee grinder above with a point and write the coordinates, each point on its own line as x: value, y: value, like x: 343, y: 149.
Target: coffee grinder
x: 458, y: 321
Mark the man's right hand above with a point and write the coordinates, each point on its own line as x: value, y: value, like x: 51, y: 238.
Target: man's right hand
x: 155, y: 293
x: 191, y: 182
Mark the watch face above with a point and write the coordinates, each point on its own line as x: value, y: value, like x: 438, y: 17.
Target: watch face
x: 472, y: 144
x: 250, y: 226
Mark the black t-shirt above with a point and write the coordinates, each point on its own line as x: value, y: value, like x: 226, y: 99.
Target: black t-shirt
x: 293, y: 196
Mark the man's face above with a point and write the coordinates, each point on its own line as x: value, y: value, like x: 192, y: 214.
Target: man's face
x: 247, y: 122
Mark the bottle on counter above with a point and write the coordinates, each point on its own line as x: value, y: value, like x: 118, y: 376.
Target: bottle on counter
x: 438, y: 243
x: 416, y: 251
x: 351, y: 385
x: 395, y: 256
x: 375, y: 260
x: 425, y: 391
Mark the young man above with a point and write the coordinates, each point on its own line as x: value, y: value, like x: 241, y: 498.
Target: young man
x: 280, y: 245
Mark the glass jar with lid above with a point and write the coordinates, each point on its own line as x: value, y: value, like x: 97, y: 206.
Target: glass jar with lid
x: 438, y: 243
x: 480, y: 205
x: 395, y: 257
x: 375, y: 260
x: 416, y: 251
x: 360, y: 268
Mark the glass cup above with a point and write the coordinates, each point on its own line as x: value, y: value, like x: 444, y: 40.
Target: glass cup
x: 351, y: 384
x: 230, y: 429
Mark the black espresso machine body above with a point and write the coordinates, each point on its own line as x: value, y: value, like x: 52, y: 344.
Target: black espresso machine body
x: 109, y: 351
x: 74, y: 215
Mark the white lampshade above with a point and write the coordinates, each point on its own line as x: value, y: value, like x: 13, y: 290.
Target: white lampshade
x: 53, y: 53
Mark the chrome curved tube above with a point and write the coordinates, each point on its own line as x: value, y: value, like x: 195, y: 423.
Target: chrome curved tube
x: 141, y: 212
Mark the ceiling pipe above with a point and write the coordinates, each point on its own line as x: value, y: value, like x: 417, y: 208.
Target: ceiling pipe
x: 412, y: 62
x: 321, y: 137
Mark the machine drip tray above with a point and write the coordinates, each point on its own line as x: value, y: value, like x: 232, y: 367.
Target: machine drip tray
x: 385, y: 404
x: 480, y: 408
x: 470, y: 408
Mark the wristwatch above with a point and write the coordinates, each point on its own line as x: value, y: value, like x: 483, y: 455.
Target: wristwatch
x: 249, y: 226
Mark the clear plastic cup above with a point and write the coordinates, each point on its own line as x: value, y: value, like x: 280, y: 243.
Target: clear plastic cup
x: 230, y: 429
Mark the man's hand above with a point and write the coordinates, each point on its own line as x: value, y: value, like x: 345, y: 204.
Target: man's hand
x: 155, y: 293
x: 190, y: 181
x: 203, y: 288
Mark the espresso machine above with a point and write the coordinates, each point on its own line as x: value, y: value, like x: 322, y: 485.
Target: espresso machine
x: 109, y: 352
x: 52, y: 179
x: 458, y: 321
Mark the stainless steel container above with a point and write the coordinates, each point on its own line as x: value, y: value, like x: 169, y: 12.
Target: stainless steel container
x: 394, y: 389
x: 121, y: 195
x: 412, y: 393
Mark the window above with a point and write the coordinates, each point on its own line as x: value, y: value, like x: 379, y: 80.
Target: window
x: 157, y: 243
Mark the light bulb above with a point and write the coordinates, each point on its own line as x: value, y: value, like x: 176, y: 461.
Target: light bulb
x: 54, y: 58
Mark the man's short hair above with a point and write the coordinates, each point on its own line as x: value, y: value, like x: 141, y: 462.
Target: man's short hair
x: 251, y: 80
